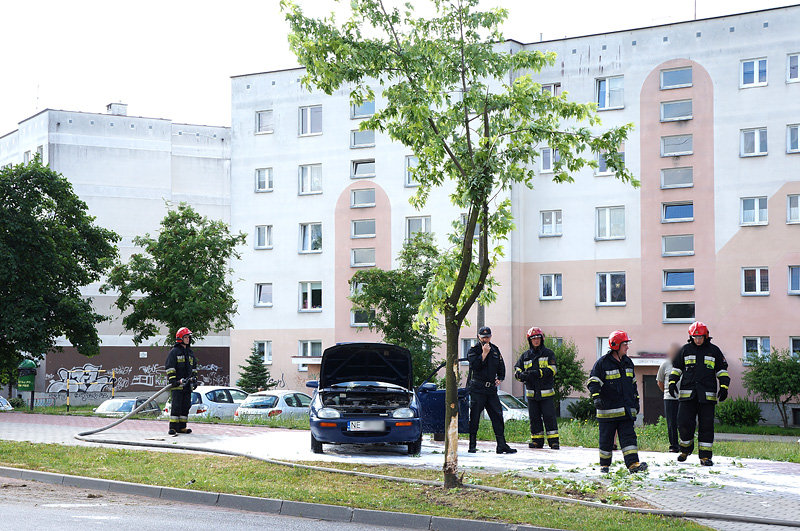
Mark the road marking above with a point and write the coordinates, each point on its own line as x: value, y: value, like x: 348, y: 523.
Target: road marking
x: 73, y: 505
x: 95, y: 517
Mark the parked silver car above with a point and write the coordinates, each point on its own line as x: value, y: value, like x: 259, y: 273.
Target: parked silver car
x: 212, y: 401
x: 266, y: 404
x: 119, y: 407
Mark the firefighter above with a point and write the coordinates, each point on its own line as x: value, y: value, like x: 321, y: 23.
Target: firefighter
x: 487, y: 369
x: 612, y: 385
x: 698, y: 366
x: 536, y: 368
x: 181, y: 366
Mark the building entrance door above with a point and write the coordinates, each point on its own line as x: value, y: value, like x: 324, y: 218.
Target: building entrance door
x: 652, y: 400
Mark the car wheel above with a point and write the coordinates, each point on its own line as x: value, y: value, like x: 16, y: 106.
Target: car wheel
x: 316, y: 446
x: 415, y: 447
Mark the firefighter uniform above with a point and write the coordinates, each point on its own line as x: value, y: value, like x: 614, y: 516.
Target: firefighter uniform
x: 181, y: 364
x: 698, y: 367
x: 536, y: 368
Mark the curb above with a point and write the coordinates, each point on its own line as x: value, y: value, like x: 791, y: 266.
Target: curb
x: 316, y: 511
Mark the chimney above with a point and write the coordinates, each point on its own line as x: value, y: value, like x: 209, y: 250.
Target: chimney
x: 119, y: 109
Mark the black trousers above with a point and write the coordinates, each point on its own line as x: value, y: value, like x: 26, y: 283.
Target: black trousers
x: 480, y: 400
x: 693, y: 413
x: 627, y: 440
x: 179, y: 410
x: 544, y: 408
x: 671, y: 414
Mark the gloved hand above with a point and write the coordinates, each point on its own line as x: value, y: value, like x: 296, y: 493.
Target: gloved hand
x: 722, y: 394
x: 519, y: 376
x: 673, y: 390
x: 598, y: 403
x: 545, y: 371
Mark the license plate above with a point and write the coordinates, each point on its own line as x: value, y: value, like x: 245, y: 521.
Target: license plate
x: 366, y: 425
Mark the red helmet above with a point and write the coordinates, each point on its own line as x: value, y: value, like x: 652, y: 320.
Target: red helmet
x: 698, y: 329
x: 182, y: 332
x: 533, y: 332
x: 617, y: 338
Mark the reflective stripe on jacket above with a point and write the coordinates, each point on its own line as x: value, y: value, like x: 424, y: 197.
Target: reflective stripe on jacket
x: 540, y: 364
x: 698, y: 368
x: 614, y: 382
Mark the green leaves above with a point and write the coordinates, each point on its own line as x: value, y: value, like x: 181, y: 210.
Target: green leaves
x: 775, y: 377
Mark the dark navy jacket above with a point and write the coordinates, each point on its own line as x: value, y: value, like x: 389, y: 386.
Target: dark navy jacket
x: 615, y: 383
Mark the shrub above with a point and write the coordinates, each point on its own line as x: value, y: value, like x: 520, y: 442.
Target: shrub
x: 17, y: 402
x: 739, y: 412
x: 583, y: 409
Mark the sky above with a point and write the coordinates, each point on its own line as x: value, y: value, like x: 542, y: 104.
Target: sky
x: 174, y: 58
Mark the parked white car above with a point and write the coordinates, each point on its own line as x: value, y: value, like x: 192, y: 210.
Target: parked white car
x: 4, y: 405
x: 266, y: 404
x: 513, y: 407
x: 119, y: 407
x: 212, y: 401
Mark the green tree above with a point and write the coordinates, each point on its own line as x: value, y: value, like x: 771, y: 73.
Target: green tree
x: 254, y: 375
x: 49, y: 248
x: 392, y: 299
x: 774, y: 378
x: 469, y: 110
x: 182, y: 276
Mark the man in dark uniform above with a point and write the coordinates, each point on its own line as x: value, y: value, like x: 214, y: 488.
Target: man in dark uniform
x: 181, y: 366
x: 616, y: 397
x: 698, y: 366
x: 536, y: 368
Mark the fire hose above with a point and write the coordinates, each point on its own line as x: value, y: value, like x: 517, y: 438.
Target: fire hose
x: 83, y: 436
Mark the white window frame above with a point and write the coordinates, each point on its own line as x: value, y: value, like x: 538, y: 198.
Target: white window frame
x: 353, y: 134
x: 608, y: 236
x: 353, y: 203
x: 466, y: 344
x: 354, y: 167
x: 267, y: 237
x: 680, y: 287
x: 675, y: 253
x: 789, y: 280
x: 358, y: 324
x: 355, y: 115
x: 664, y: 207
x: 553, y: 89
x: 789, y: 198
x: 411, y: 162
x: 556, y: 224
x: 426, y: 225
x: 602, y: 346
x: 758, y: 292
x: 267, y: 350
x: 265, y: 127
x: 601, y: 160
x: 268, y: 180
x: 555, y: 296
x: 756, y: 213
x: 257, y: 300
x: 304, y: 120
x: 665, y: 319
x: 681, y: 118
x: 305, y: 242
x: 301, y: 351
x: 670, y: 87
x: 794, y: 351
x: 308, y: 286
x: 355, y: 236
x: 756, y: 82
x: 789, y: 148
x: 463, y: 218
x: 608, y: 301
x: 26, y: 157
x: 789, y: 66
x: 552, y: 157
x: 606, y: 104
x: 759, y: 133
x: 760, y: 340
x: 664, y: 152
x: 303, y: 178
x: 670, y: 186
x: 353, y: 262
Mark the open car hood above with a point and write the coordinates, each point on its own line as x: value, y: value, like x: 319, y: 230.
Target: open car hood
x: 381, y: 362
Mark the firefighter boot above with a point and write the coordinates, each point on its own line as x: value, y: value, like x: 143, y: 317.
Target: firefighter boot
x: 706, y: 461
x: 637, y: 467
x: 172, y: 432
x: 185, y: 430
x: 604, y: 470
x: 682, y: 457
x: 503, y: 448
x: 473, y: 443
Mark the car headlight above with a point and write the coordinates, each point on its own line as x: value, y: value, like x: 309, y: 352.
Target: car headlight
x: 403, y: 413
x: 328, y: 413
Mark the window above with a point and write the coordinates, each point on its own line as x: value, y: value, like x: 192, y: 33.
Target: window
x: 794, y: 348
x: 792, y: 74
x: 362, y: 168
x: 551, y: 223
x: 40, y: 152
x: 755, y: 281
x: 264, y: 349
x: 754, y: 211
x: 673, y: 146
x: 466, y: 344
x: 310, y: 177
x: 310, y: 120
x: 364, y: 257
x: 553, y: 89
x: 676, y: 78
x: 753, y: 142
x: 676, y: 212
x: 264, y: 180
x: 263, y: 295
x: 362, y: 228
x: 677, y: 178
x: 602, y: 346
x: 549, y: 157
x: 792, y: 133
x: 263, y: 237
x: 610, y: 223
x: 417, y: 224
x: 364, y: 110
x: 794, y: 280
x: 360, y: 139
x: 678, y: 279
x: 464, y: 219
x: 311, y: 237
x: 610, y: 289
x: 678, y: 312
x: 26, y: 157
x: 308, y: 349
x: 755, y: 346
x: 677, y: 245
x: 753, y: 73
x: 361, y: 318
x: 310, y: 296
x: 264, y: 122
x: 793, y: 209
x: 550, y: 286
x: 610, y: 93
x: 411, y: 163
x: 673, y: 111
x: 602, y: 167
x: 362, y: 198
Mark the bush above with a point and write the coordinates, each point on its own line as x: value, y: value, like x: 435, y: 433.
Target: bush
x: 17, y: 402
x: 739, y: 412
x: 583, y: 409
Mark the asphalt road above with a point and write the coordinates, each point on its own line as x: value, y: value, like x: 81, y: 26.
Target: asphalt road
x: 38, y: 506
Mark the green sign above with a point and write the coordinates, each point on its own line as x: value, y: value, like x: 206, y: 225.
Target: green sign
x: 25, y: 383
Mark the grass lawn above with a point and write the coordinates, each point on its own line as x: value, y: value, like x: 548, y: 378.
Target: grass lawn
x: 254, y: 478
x: 758, y: 430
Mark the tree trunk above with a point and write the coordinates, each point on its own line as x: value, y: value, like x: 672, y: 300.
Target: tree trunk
x: 450, y: 467
x: 783, y: 412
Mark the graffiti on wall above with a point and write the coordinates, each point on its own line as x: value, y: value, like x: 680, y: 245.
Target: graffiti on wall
x: 88, y: 378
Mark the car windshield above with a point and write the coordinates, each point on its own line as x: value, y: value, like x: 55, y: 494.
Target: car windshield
x: 116, y: 406
x: 260, y: 402
x: 3, y: 402
x: 512, y: 402
x: 369, y: 385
